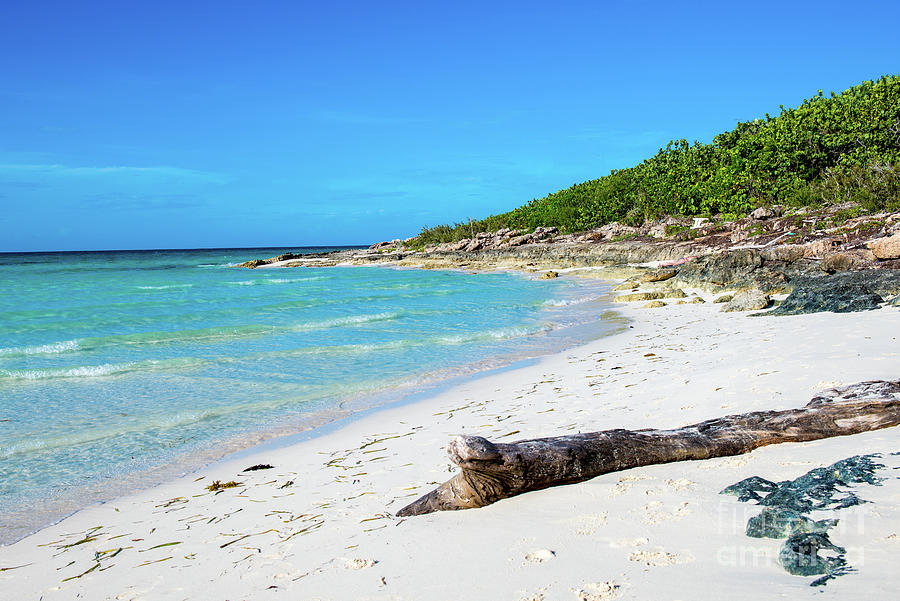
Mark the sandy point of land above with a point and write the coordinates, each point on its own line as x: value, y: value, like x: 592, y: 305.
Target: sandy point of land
x: 320, y: 524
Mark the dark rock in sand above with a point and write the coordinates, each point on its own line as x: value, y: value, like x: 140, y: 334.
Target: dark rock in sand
x: 779, y: 522
x: 841, y: 292
x: 814, y: 296
x: 550, y: 275
x: 800, y: 556
x: 787, y: 505
x: 818, y: 489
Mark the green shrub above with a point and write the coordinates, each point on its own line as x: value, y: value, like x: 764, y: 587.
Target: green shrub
x: 671, y: 230
x: 843, y: 148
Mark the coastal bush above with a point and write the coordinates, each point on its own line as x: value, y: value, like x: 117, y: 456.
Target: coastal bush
x: 831, y: 149
x: 873, y: 188
x: 671, y: 230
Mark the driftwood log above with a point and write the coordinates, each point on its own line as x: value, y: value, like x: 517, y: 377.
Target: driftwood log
x: 494, y: 471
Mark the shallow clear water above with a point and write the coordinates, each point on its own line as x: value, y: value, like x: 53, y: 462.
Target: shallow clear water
x: 113, y: 365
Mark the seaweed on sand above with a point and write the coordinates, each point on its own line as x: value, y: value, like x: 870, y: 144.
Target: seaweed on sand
x: 218, y: 485
x: 259, y: 466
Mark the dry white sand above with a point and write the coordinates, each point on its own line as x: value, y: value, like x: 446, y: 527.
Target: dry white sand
x: 659, y: 532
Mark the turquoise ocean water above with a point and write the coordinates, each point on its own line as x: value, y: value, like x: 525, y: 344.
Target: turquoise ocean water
x: 121, y: 368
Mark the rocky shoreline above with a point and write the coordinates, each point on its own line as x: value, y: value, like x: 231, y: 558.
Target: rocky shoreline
x: 824, y: 261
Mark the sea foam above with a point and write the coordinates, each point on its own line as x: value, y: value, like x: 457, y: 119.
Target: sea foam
x: 52, y: 348
x: 84, y: 371
x: 350, y: 320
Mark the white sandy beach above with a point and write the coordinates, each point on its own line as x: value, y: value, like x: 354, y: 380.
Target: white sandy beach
x: 653, y: 533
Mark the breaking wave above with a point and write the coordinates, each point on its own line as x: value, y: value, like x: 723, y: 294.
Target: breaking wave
x: 54, y: 348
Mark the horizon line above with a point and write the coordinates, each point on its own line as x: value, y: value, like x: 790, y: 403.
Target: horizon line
x: 114, y: 250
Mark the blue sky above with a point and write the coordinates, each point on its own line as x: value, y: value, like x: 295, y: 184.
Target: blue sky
x: 220, y: 124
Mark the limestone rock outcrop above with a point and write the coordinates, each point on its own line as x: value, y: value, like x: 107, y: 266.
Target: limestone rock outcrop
x: 747, y: 300
x: 886, y: 248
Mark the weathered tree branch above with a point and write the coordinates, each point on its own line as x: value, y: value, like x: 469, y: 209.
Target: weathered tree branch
x: 491, y: 472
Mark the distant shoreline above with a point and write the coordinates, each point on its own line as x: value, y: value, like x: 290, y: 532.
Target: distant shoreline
x: 765, y: 251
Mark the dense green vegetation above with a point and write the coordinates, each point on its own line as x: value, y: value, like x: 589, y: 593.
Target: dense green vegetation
x: 831, y: 149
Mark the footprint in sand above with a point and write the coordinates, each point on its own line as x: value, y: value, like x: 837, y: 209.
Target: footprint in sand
x: 597, y: 591
x: 659, y: 558
x: 588, y: 524
x: 625, y: 483
x: 629, y: 542
x: 679, y: 484
x: 714, y: 464
x: 655, y: 512
x: 540, y: 556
